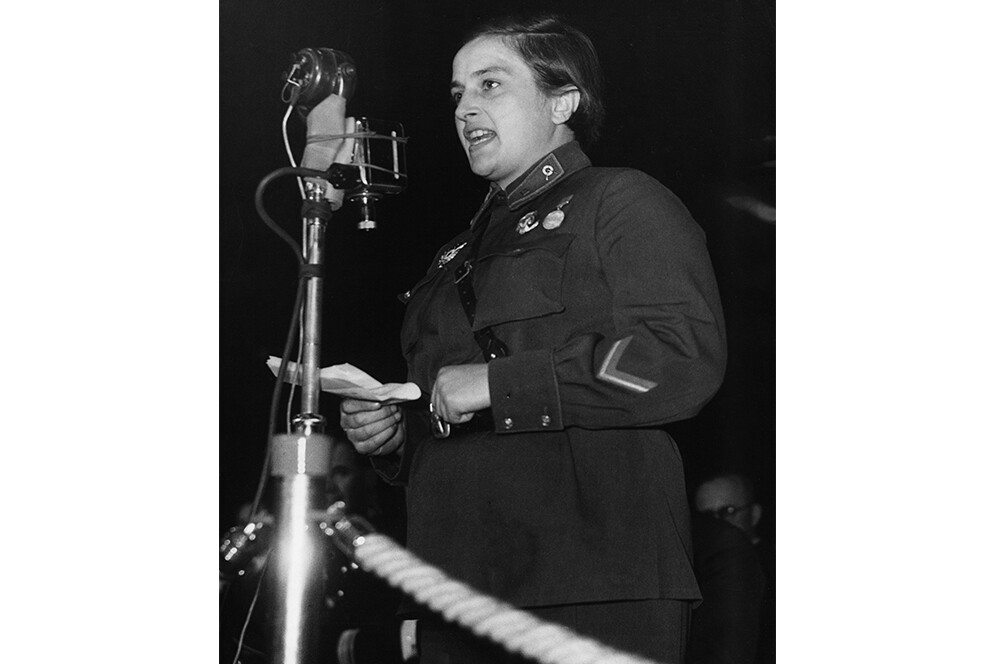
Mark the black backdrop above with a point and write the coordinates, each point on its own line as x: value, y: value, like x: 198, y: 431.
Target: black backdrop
x: 690, y: 100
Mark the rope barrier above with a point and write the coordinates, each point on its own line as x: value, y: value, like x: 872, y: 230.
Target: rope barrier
x: 516, y: 630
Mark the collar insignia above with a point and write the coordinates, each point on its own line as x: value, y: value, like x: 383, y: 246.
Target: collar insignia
x: 543, y: 176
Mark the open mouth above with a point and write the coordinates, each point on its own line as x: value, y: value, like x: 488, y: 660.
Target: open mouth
x: 479, y: 136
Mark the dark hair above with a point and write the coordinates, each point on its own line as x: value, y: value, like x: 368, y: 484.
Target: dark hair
x: 559, y: 55
x: 744, y: 480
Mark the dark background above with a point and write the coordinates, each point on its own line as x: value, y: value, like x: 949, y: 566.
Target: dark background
x: 690, y: 99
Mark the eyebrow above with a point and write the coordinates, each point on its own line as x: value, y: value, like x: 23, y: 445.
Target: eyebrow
x: 454, y: 85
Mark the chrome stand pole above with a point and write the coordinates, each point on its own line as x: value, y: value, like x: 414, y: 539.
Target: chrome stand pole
x: 300, y: 468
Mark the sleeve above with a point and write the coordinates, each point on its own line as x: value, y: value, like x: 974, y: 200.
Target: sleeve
x: 665, y: 357
x: 394, y: 469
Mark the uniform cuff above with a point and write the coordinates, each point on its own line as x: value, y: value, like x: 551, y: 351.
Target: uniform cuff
x: 524, y: 394
x: 389, y: 467
x: 394, y: 468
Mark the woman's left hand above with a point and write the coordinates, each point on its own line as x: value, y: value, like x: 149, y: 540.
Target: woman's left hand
x: 460, y: 391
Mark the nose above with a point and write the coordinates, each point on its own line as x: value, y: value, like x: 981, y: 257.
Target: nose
x: 466, y: 108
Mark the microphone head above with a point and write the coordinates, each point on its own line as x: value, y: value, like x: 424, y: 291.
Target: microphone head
x: 316, y: 73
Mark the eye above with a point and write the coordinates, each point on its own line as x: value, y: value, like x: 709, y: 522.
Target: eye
x: 490, y: 84
x: 455, y: 97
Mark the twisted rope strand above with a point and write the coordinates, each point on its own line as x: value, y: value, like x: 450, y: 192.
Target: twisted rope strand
x: 515, y: 630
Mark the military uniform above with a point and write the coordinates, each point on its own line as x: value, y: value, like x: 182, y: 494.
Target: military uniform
x: 599, y: 283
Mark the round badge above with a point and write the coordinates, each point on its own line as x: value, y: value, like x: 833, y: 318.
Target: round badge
x: 553, y: 220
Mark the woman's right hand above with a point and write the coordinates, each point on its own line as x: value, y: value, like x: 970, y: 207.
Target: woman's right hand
x: 372, y: 427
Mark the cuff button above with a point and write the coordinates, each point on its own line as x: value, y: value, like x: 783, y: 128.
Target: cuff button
x: 508, y: 422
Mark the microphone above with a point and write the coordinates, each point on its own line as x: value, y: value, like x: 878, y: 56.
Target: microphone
x: 364, y: 167
x: 318, y: 84
x: 316, y: 73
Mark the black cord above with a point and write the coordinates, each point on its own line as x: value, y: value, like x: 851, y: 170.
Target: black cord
x: 275, y: 398
x: 252, y: 605
x: 261, y: 210
x: 303, y: 277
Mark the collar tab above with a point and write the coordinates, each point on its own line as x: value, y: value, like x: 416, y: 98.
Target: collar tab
x: 549, y: 170
x: 544, y: 175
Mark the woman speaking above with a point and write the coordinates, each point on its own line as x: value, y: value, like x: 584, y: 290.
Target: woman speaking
x: 557, y: 335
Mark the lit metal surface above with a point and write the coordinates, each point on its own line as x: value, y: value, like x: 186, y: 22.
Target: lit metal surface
x: 300, y: 467
x: 300, y: 560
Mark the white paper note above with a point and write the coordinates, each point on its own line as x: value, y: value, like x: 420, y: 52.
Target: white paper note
x: 349, y: 381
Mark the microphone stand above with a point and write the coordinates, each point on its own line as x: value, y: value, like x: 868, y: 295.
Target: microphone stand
x: 300, y: 468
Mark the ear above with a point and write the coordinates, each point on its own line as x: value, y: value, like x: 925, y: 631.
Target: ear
x: 755, y: 514
x: 565, y: 103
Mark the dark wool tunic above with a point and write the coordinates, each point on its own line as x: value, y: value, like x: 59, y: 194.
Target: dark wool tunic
x: 613, y: 320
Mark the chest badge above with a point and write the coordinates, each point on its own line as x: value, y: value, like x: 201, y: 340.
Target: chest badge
x: 527, y: 223
x: 447, y: 256
x: 556, y: 217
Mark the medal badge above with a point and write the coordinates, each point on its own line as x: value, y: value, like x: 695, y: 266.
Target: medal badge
x: 556, y: 217
x: 447, y: 256
x: 527, y: 223
x: 553, y: 220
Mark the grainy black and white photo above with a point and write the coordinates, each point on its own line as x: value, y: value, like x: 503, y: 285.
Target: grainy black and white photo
x: 497, y: 332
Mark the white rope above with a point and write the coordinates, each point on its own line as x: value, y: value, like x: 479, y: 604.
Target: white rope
x: 515, y: 630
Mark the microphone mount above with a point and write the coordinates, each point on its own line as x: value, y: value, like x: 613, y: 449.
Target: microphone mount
x: 378, y: 167
x: 343, y: 176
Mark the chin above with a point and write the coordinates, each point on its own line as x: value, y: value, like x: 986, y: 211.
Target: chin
x: 481, y: 168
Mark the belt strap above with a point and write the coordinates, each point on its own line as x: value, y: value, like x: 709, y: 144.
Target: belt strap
x: 491, y: 346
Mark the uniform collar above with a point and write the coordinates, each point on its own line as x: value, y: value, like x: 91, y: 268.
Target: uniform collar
x: 544, y: 174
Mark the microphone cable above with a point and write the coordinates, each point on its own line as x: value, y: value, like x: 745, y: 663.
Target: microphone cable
x: 252, y: 605
x: 287, y: 147
x: 293, y: 329
x: 275, y: 396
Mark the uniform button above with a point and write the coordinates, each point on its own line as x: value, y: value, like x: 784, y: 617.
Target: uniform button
x: 545, y: 420
x: 508, y: 422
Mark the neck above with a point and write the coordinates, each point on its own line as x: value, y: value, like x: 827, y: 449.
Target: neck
x: 561, y: 136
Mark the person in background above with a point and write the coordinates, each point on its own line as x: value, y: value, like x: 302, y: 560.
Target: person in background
x: 735, y: 622
x: 730, y: 497
x: 555, y: 340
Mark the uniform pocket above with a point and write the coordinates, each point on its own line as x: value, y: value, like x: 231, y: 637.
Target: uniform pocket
x: 415, y: 300
x: 521, y: 281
